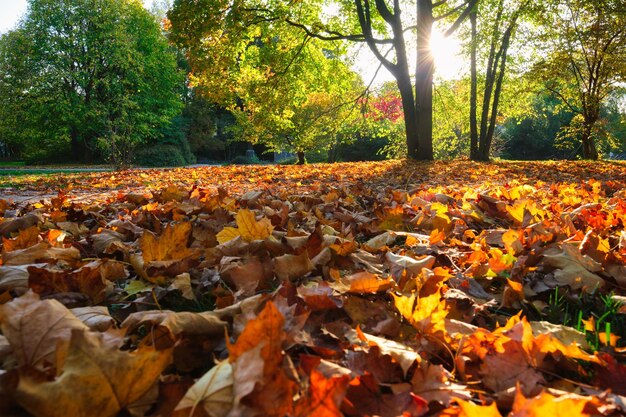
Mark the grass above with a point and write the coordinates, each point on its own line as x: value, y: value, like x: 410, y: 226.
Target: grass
x: 596, y: 315
x: 12, y: 164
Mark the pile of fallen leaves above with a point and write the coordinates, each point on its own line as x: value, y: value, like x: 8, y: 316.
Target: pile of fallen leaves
x: 380, y: 289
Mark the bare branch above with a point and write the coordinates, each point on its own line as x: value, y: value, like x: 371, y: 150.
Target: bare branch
x: 462, y: 17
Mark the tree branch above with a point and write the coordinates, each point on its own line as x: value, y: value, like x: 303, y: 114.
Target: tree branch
x: 462, y: 17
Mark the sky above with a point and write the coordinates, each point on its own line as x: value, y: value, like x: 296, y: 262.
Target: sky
x: 446, y: 51
x: 12, y: 10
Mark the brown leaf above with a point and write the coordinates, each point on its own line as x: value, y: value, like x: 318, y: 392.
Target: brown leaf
x: 364, y: 397
x: 87, y: 280
x: 97, y: 318
x: 35, y: 327
x: 273, y: 394
x: 207, y: 323
x: 400, y: 264
x: 41, y: 252
x: 29, y: 220
x: 243, y: 274
x: 25, y: 238
x: 292, y: 267
x: 573, y: 268
x: 12, y: 277
x: 432, y: 383
x: 97, y: 380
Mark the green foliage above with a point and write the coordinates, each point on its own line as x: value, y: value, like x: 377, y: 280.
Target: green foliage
x: 245, y: 160
x: 531, y: 136
x: 160, y: 155
x: 584, y: 65
x: 596, y: 315
x: 207, y: 126
x: 93, y: 77
x: 363, y: 149
x: 286, y: 91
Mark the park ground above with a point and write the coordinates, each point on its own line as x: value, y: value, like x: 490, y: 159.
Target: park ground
x: 380, y: 288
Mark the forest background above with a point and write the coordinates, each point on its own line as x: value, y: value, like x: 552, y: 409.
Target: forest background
x: 107, y: 81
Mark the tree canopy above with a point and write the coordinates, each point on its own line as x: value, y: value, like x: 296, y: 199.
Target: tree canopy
x: 95, y: 75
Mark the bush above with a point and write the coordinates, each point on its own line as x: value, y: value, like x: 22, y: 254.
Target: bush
x: 160, y: 155
x: 292, y: 160
x: 244, y: 160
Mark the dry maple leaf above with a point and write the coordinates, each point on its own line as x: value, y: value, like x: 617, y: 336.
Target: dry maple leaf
x: 247, y: 227
x: 97, y: 380
x: 97, y: 318
x: 34, y: 328
x: 469, y: 409
x: 546, y: 404
x: 404, y: 355
x: 425, y: 313
x: 432, y: 383
x: 171, y: 245
x: 573, y: 268
x: 213, y: 392
x: 87, y: 280
x: 291, y: 267
x: 274, y: 390
x: 364, y: 397
x: 15, y: 276
x: 42, y: 251
x: 512, y: 354
x: 18, y: 224
x: 25, y: 238
x: 167, y: 326
x: 324, y: 396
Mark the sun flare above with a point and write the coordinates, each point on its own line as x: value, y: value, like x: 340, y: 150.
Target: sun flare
x: 447, y: 55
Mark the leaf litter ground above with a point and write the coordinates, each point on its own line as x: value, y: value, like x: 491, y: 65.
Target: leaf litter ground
x: 387, y: 289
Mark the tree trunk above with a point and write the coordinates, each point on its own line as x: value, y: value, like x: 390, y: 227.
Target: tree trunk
x: 588, y: 142
x: 410, y: 118
x: 80, y: 150
x: 425, y: 69
x: 300, y: 155
x: 473, y: 89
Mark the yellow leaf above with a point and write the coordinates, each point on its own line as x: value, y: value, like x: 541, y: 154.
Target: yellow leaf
x: 227, y: 234
x: 172, y: 244
x: 423, y: 313
x: 250, y: 228
x: 547, y: 404
x: 469, y: 409
x: 516, y: 211
x: 247, y: 227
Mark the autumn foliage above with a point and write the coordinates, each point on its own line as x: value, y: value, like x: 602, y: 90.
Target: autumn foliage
x: 372, y: 289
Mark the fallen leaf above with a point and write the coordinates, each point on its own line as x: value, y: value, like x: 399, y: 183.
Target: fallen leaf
x: 171, y: 245
x: 572, y: 268
x: 247, y: 227
x: 291, y: 267
x: 97, y: 318
x: 432, y: 383
x: 40, y: 252
x: 213, y: 392
x: 25, y: 238
x: 546, y: 404
x: 34, y: 328
x: 323, y: 397
x: 97, y: 380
